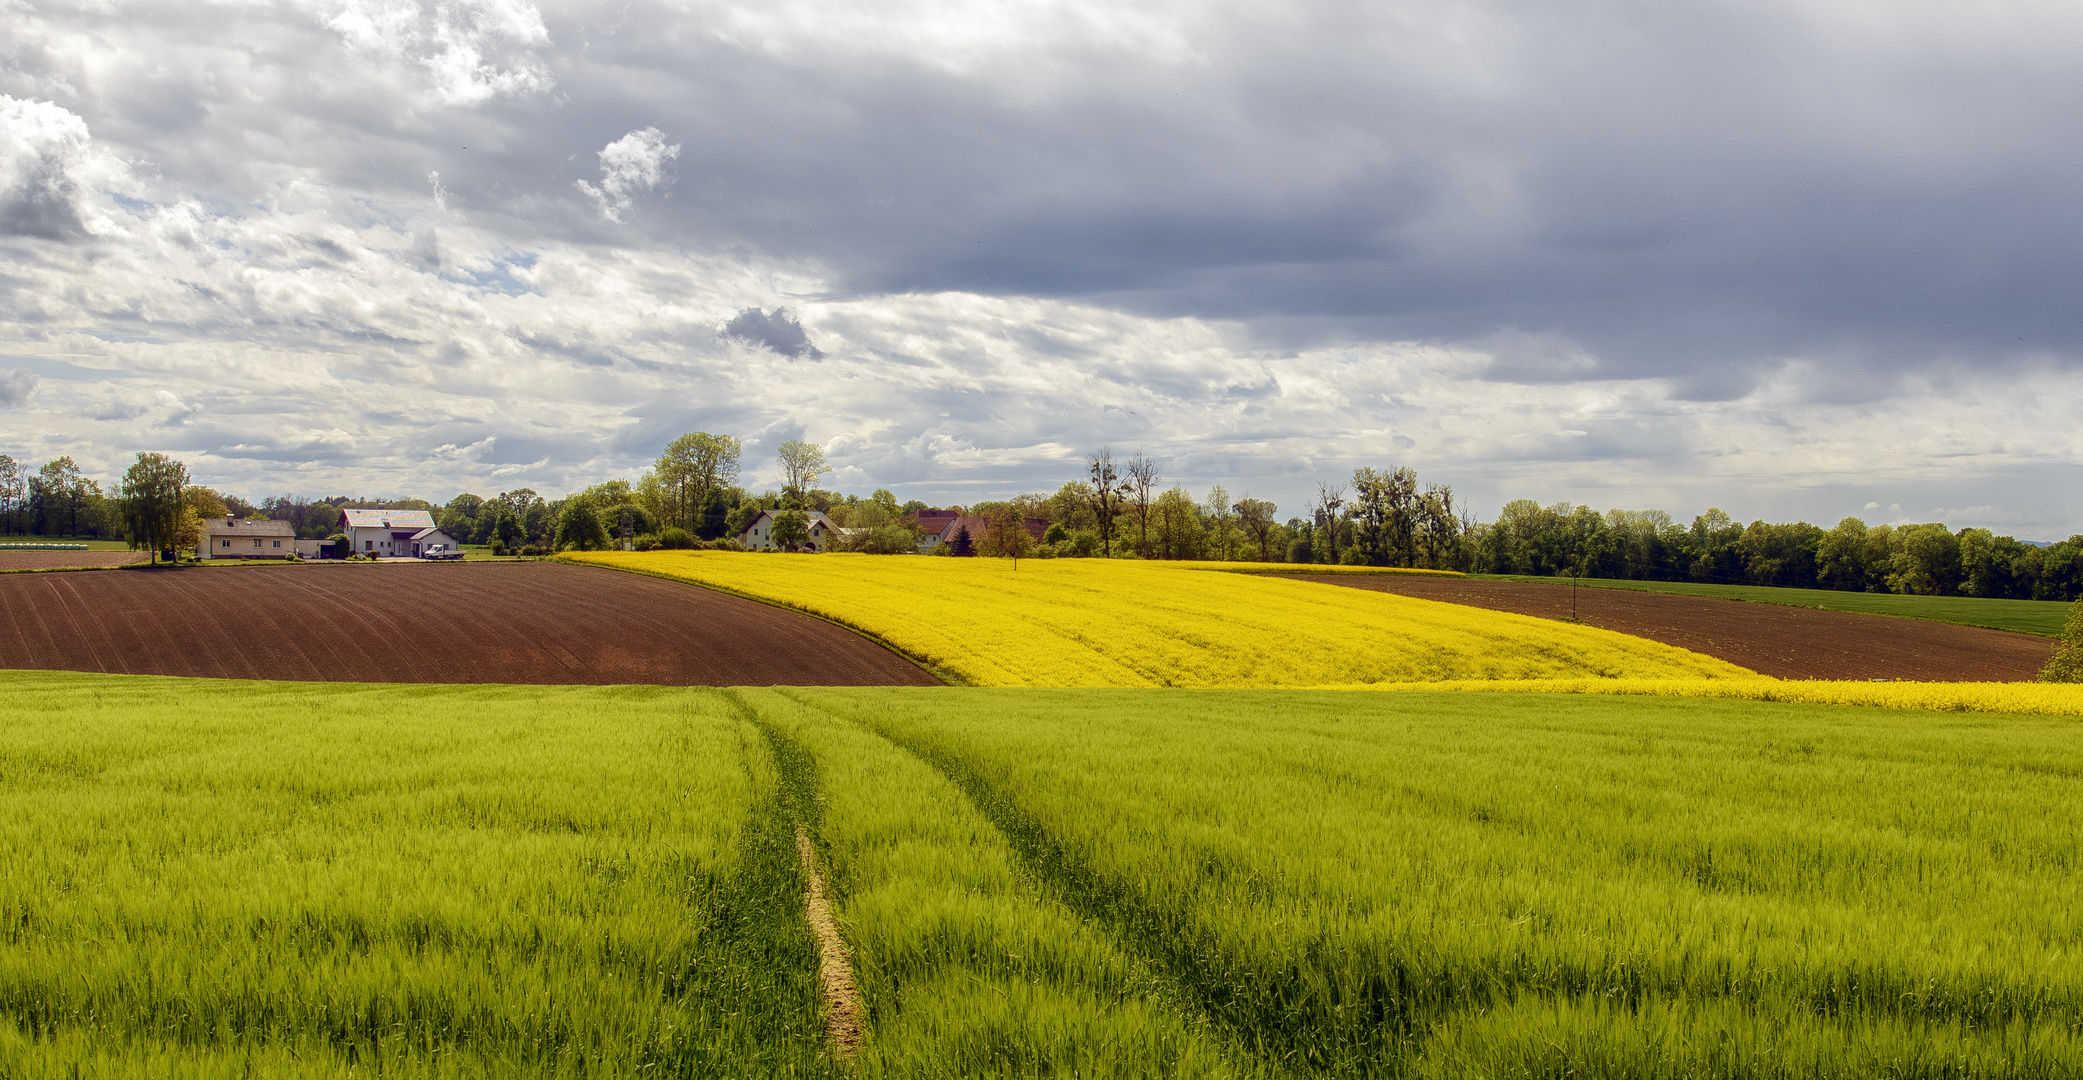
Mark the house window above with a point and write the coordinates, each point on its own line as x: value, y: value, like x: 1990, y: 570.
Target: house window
x: 224, y: 543
x: 256, y: 543
x: 278, y: 543
x: 368, y: 544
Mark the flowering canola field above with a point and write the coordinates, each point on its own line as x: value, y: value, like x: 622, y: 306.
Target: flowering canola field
x: 1091, y: 622
x: 2022, y: 698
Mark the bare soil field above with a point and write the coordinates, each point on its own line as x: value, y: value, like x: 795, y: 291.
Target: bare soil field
x: 1770, y: 639
x: 69, y: 560
x: 543, y: 623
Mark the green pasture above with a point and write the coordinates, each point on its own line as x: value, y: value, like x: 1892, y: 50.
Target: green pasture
x: 2043, y: 617
x: 218, y: 878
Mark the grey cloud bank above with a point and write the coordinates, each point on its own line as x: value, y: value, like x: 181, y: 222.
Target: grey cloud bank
x: 1785, y: 258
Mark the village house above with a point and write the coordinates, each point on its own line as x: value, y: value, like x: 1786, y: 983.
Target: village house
x: 391, y: 534
x: 246, y: 538
x: 759, y: 536
x: 979, y: 528
x: 931, y: 523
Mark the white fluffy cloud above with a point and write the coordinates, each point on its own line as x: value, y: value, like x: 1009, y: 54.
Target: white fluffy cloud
x: 51, y: 173
x: 467, y: 51
x: 633, y: 163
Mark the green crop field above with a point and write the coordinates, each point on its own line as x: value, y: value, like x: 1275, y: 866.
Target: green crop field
x: 217, y: 879
x: 2042, y: 617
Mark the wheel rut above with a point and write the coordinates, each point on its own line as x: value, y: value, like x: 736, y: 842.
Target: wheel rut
x: 844, y: 1014
x: 798, y: 805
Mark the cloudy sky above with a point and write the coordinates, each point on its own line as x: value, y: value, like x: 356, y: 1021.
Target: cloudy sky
x: 1796, y: 259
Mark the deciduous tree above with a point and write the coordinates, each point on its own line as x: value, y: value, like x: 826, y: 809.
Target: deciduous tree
x: 691, y: 470
x: 2067, y: 665
x: 579, y: 526
x: 1140, y: 478
x: 1108, y: 489
x: 1329, y: 499
x: 14, y: 495
x: 62, y: 488
x: 801, y: 464
x: 152, y: 502
x: 791, y: 529
x: 1006, y: 535
x: 1257, y: 516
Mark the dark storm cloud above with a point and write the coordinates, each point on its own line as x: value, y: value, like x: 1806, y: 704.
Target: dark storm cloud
x: 1700, y: 192
x: 776, y: 330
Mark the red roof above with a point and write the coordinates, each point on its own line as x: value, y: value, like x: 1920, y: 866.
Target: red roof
x: 980, y: 527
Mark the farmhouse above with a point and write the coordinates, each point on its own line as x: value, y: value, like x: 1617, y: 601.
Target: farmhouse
x: 979, y: 528
x: 246, y: 538
x: 391, y: 534
x: 932, y: 522
x: 759, y: 536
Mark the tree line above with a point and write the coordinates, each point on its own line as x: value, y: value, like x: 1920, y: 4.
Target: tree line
x: 691, y: 496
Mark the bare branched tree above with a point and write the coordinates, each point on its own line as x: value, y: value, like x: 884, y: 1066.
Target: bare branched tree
x: 1141, y: 481
x: 1329, y: 499
x: 802, y: 462
x: 1107, y: 491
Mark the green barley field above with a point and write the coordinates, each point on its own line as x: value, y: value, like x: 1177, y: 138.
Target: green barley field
x: 217, y: 879
x: 2043, y: 617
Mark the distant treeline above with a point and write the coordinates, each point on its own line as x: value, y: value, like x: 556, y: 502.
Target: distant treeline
x: 1649, y: 545
x: 1123, y: 509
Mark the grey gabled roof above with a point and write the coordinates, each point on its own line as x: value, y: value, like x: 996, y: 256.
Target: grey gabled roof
x: 387, y: 519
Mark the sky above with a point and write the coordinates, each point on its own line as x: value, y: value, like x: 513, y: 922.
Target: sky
x: 1798, y: 260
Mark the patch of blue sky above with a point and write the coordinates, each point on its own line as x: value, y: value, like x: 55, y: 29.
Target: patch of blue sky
x: 500, y: 277
x: 52, y: 368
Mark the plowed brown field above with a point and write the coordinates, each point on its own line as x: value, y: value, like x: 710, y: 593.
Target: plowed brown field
x: 69, y: 560
x: 1770, y: 639
x: 545, y: 623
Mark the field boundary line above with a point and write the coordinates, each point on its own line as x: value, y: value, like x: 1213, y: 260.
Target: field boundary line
x: 931, y: 668
x: 834, y: 963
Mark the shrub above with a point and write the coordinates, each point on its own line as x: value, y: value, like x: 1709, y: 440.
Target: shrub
x: 646, y: 542
x: 2067, y: 665
x: 676, y: 538
x: 885, y: 540
x: 1056, y: 534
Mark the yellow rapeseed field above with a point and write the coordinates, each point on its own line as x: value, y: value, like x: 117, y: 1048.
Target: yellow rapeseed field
x: 1094, y: 622
x: 2028, y: 698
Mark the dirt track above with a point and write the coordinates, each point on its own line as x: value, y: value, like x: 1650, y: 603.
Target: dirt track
x: 545, y: 623
x: 1771, y: 639
x: 57, y: 560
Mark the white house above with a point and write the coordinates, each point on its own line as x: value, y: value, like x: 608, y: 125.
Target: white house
x: 391, y: 534
x: 246, y: 538
x: 759, y: 536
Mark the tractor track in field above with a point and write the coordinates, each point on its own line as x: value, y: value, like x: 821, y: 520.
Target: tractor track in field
x: 528, y: 623
x: 1771, y: 639
x: 844, y: 1012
